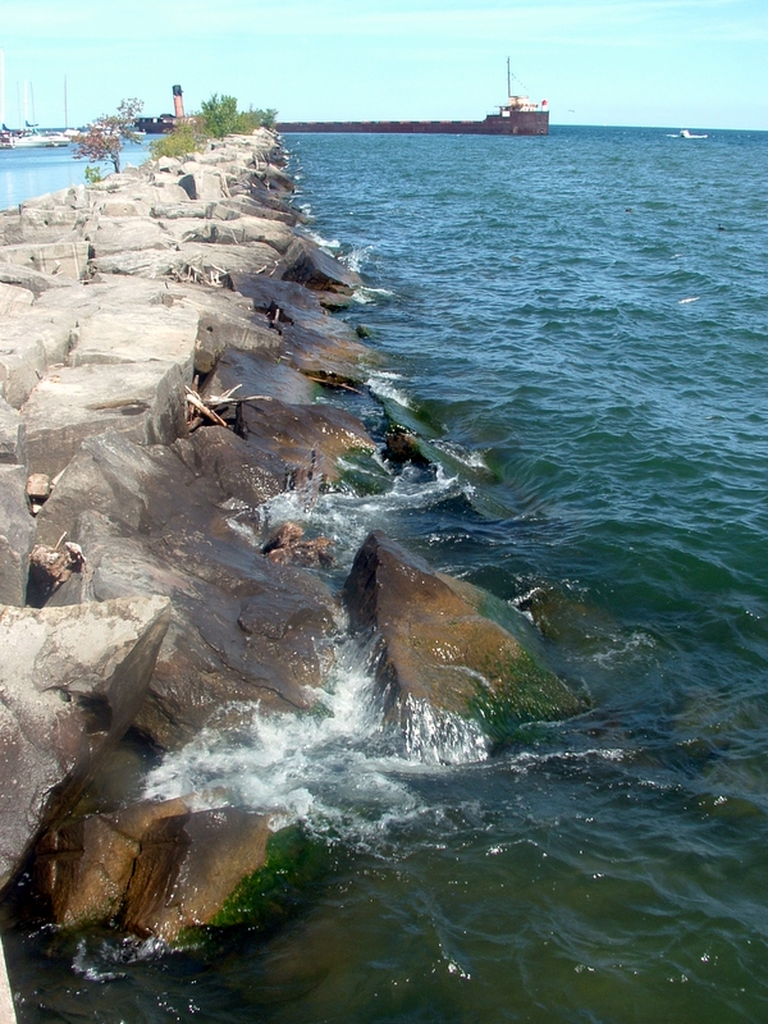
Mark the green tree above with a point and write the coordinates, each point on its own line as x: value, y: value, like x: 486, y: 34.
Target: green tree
x: 105, y: 137
x: 219, y: 116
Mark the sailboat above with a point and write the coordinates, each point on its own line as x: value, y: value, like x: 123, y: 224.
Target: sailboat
x: 30, y: 136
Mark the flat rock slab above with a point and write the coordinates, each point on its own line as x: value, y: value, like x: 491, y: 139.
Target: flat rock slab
x: 68, y: 259
x: 71, y: 681
x: 159, y: 334
x: 144, y: 400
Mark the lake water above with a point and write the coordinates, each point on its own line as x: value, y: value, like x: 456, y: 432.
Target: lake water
x: 25, y: 173
x: 578, y: 326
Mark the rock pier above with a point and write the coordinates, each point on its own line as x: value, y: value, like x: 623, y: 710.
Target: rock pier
x: 164, y: 337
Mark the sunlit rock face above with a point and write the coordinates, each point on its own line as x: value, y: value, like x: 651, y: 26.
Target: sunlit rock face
x: 436, y: 646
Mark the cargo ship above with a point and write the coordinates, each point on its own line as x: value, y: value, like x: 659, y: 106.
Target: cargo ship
x: 518, y: 116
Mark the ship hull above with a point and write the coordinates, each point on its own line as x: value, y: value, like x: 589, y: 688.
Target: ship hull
x: 534, y: 122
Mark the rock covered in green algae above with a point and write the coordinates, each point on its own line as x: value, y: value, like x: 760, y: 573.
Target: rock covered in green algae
x: 437, y: 646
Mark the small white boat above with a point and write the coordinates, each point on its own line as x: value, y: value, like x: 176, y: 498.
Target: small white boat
x: 685, y: 134
x: 40, y: 140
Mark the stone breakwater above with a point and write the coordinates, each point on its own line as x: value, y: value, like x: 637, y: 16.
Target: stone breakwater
x: 164, y: 337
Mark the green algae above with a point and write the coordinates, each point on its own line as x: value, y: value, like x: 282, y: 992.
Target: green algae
x: 522, y: 692
x: 362, y: 474
x: 265, y: 898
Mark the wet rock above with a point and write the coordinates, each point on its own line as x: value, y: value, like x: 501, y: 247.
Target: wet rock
x: 309, y: 439
x: 165, y: 870
x: 203, y: 554
x: 309, y: 266
x: 263, y: 372
x: 402, y: 446
x: 160, y: 869
x: 242, y: 473
x: 436, y: 646
x: 71, y: 680
x: 288, y: 545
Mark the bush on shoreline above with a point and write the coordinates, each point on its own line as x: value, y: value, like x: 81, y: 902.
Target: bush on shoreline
x: 218, y: 117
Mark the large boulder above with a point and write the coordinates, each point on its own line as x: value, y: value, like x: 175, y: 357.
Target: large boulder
x: 166, y: 871
x: 158, y: 869
x: 143, y: 400
x: 308, y: 265
x: 149, y: 521
x: 71, y: 682
x: 17, y: 534
x: 437, y: 648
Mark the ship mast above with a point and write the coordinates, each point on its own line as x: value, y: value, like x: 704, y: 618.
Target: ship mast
x: 509, y: 79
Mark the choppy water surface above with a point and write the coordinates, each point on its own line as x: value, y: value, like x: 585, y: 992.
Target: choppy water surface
x: 578, y: 326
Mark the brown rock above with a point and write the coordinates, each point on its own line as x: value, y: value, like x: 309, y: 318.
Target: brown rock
x: 436, y: 646
x: 158, y: 869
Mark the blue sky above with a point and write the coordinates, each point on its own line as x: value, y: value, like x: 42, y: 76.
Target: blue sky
x: 672, y: 63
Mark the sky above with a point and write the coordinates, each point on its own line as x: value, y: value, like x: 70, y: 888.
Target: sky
x: 666, y: 63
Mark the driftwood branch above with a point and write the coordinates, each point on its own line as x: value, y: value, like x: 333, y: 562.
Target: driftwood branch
x: 205, y: 409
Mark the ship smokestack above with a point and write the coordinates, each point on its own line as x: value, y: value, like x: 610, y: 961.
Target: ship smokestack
x: 178, y: 102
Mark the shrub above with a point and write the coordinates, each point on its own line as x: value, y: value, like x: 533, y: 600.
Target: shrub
x: 219, y: 116
x: 184, y: 139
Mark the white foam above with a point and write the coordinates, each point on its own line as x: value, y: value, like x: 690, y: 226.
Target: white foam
x: 384, y: 384
x: 341, y: 766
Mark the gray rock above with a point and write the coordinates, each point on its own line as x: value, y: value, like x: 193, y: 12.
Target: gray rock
x: 143, y: 400
x: 13, y: 437
x: 67, y: 259
x: 198, y: 182
x: 14, y: 300
x: 22, y: 364
x: 128, y: 234
x: 71, y: 681
x: 34, y: 280
x: 17, y: 535
x: 241, y: 231
x: 139, y: 334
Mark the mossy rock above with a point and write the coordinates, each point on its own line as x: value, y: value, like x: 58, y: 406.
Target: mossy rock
x: 438, y: 646
x: 294, y: 862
